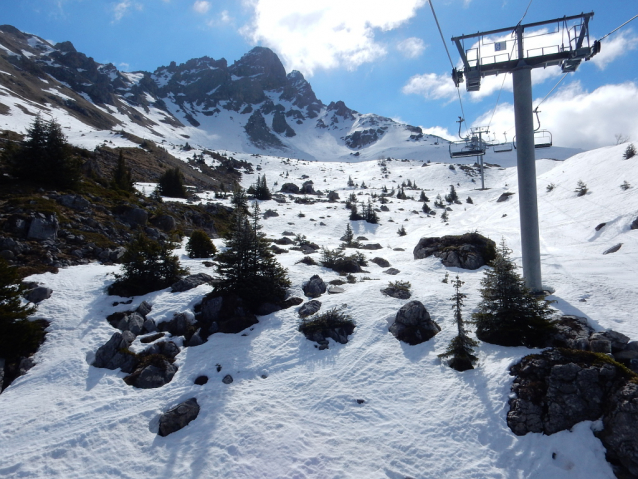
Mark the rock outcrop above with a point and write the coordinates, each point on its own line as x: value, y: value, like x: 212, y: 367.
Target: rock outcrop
x: 559, y: 388
x: 468, y: 251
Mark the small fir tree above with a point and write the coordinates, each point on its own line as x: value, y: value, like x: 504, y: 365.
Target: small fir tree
x: 469, y: 200
x: 369, y: 214
x: 348, y: 237
x: 354, y: 213
x: 581, y: 188
x: 247, y: 267
x: 171, y: 184
x: 444, y: 217
x: 461, y: 348
x: 423, y: 198
x: 625, y: 186
x: 200, y: 245
x: 350, y: 181
x: 426, y: 208
x: 147, y: 266
x: 122, y: 179
x: 239, y: 200
x: 260, y: 189
x: 401, y: 231
x: 18, y: 336
x: 509, y: 314
x: 452, y: 196
x: 630, y: 152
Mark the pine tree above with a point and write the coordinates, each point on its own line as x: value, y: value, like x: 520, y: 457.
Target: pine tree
x: 581, y: 188
x: 369, y: 214
x: 509, y: 314
x: 247, y: 267
x: 461, y: 348
x: 354, y: 214
x: 261, y: 189
x: 17, y: 334
x: 630, y: 152
x: 426, y: 208
x: 451, y: 197
x: 171, y: 184
x: 122, y: 179
x: 423, y: 197
x: 401, y: 231
x: 200, y: 245
x: 147, y: 266
x: 348, y: 237
x: 239, y: 199
x: 350, y: 182
x: 444, y: 217
x: 45, y: 156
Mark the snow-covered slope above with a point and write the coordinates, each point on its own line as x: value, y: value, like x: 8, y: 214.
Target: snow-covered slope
x: 291, y: 410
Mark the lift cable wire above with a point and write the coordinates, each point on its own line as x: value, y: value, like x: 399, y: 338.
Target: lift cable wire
x: 525, y: 14
x: 458, y: 91
x: 616, y: 29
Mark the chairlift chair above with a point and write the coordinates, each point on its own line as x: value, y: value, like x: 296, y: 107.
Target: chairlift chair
x: 503, y: 147
x: 542, y: 138
x: 466, y: 148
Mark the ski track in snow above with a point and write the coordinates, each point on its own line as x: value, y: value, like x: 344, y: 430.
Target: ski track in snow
x: 420, y: 418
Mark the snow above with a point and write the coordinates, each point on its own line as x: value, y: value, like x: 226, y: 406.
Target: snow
x: 420, y: 418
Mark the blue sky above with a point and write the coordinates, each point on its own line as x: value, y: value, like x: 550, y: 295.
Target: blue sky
x: 378, y: 57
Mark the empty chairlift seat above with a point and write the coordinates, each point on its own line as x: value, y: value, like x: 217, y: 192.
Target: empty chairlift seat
x: 542, y: 139
x: 503, y: 147
x: 469, y: 147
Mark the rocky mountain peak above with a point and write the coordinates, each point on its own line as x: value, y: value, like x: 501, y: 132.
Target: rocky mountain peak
x: 65, y: 47
x: 340, y: 109
x: 261, y: 63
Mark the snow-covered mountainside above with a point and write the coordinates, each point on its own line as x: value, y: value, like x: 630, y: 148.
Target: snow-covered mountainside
x: 292, y: 410
x: 252, y: 106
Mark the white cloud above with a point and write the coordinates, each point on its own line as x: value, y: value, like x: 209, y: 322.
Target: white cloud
x: 124, y: 66
x: 122, y: 8
x: 225, y: 17
x: 201, y: 6
x: 578, y: 118
x: 431, y: 86
x: 613, y: 47
x: 411, y: 47
x: 439, y: 131
x: 327, y: 34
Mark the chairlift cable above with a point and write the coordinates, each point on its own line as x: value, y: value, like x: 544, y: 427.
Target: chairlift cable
x: 550, y: 92
x: 525, y: 14
x: 458, y: 91
x: 616, y: 29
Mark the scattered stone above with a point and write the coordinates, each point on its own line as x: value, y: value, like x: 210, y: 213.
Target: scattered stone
x: 288, y: 233
x: 132, y: 322
x: 335, y: 290
x: 194, y: 340
x: 314, y: 287
x: 190, y: 282
x: 284, y: 241
x: 360, y: 401
x: 135, y: 217
x: 600, y: 226
x: 372, y: 246
x: 504, y: 197
x: 613, y: 249
x: 166, y: 223
x: 153, y: 376
x: 270, y: 214
x: 468, y: 251
x: 398, y: 293
x: 384, y: 263
x: 392, y: 271
x: 290, y: 188
x: 310, y: 308
x: 201, y: 380
x: 413, y: 324
x: 75, y: 202
x: 115, y: 353
x: 38, y: 294
x: 398, y: 249
x: 151, y: 338
x: 143, y: 309
x: 634, y: 225
x: 227, y: 379
x: 178, y: 326
x: 600, y: 346
x: 178, y: 417
x: 43, y: 227
x: 149, y: 325
x: 571, y: 332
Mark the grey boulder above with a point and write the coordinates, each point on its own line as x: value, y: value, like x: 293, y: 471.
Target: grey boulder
x: 315, y: 287
x: 38, y: 294
x: 115, y: 353
x: 413, y: 324
x: 178, y: 417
